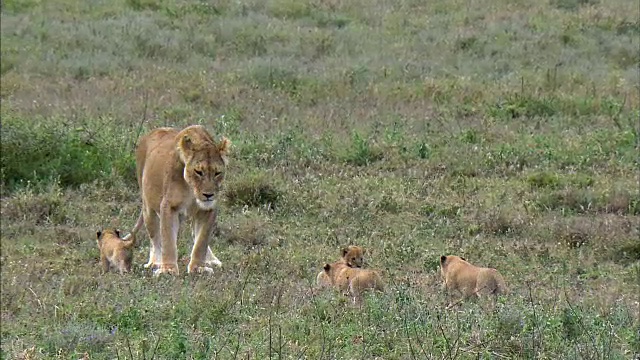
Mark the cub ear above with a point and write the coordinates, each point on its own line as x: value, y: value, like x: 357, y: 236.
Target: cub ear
x: 223, y: 148
x: 117, y: 232
x: 98, y: 234
x: 345, y: 250
x: 364, y: 251
x: 327, y: 267
x: 443, y: 259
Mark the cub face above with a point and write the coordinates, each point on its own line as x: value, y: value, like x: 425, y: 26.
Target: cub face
x: 204, y: 166
x: 353, y: 256
x: 114, y: 252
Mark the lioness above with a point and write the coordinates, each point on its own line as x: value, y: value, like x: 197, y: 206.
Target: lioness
x: 114, y: 251
x: 180, y: 172
x: 470, y: 280
x: 352, y: 255
x: 354, y: 280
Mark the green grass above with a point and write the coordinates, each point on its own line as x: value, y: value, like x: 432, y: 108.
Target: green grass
x: 506, y: 132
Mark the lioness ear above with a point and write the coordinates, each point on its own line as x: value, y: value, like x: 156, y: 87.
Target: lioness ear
x: 187, y: 143
x: 185, y: 148
x: 327, y: 267
x: 223, y: 148
x: 98, y: 234
x: 117, y: 232
x: 443, y: 259
x: 463, y: 258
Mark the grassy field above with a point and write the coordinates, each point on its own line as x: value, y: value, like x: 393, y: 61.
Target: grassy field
x: 504, y: 131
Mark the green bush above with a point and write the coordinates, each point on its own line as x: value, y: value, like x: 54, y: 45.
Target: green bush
x: 48, y: 150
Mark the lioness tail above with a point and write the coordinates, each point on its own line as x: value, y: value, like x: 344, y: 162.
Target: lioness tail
x: 131, y: 237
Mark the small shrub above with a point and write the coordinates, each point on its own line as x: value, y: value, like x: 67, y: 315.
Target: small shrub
x: 289, y: 9
x: 324, y: 19
x: 627, y: 253
x: 519, y: 106
x: 468, y: 44
x: 470, y: 137
x: 39, y: 208
x: 621, y: 202
x: 578, y: 232
x: 47, y: 151
x: 498, y: 222
x: 389, y: 204
x: 362, y: 152
x: 274, y: 77
x: 140, y: 5
x: 254, y: 190
x: 571, y: 199
x: 571, y: 324
x: 249, y: 231
x: 543, y: 180
x: 572, y: 4
x: 423, y: 150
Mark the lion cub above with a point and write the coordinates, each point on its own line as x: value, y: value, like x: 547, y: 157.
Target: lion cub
x: 468, y: 279
x: 352, y: 255
x: 347, y: 275
x: 114, y: 251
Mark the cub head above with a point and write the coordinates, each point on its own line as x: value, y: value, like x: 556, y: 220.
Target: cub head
x: 107, y: 232
x: 353, y: 256
x: 327, y: 269
x: 119, y: 251
x: 445, y: 261
x: 205, y: 162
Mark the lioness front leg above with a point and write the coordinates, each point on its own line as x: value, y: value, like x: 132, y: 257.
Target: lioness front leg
x: 169, y: 225
x: 202, y: 258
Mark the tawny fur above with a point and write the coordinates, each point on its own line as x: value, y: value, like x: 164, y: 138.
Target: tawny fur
x: 115, y: 252
x: 354, y: 281
x: 352, y: 255
x: 459, y: 275
x: 180, y: 172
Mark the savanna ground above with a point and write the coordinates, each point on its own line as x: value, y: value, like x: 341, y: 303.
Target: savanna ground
x: 502, y: 131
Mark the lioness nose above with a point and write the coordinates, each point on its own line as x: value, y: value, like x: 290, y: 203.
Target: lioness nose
x: 207, y: 196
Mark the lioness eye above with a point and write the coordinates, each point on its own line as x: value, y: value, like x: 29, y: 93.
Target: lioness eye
x: 198, y: 172
x: 217, y: 173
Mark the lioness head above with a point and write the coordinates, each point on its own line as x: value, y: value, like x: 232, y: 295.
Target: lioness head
x: 205, y: 162
x: 353, y: 256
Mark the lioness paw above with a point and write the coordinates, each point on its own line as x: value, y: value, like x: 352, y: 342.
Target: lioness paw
x: 166, y: 269
x: 199, y: 270
x: 212, y: 260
